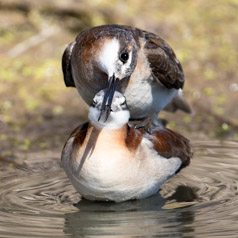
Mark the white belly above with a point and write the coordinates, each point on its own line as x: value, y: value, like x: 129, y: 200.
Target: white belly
x: 114, y: 176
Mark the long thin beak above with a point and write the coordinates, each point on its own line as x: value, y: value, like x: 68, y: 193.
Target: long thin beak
x: 107, y: 100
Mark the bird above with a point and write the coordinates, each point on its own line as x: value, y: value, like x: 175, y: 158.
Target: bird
x: 139, y: 64
x: 111, y: 160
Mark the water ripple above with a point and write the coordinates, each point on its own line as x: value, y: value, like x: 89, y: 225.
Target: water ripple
x: 201, y: 201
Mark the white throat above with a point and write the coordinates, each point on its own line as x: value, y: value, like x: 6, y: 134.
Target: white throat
x: 116, y: 120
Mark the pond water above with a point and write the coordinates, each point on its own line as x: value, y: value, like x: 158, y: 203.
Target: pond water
x: 37, y: 200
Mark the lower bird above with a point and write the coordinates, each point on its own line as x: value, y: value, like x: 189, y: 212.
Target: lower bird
x: 139, y: 64
x: 110, y: 160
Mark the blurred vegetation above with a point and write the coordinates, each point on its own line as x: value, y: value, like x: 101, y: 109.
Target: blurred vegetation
x: 37, y: 111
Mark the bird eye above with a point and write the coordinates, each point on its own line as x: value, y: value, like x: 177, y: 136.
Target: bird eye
x: 123, y: 104
x: 124, y: 57
x: 93, y: 103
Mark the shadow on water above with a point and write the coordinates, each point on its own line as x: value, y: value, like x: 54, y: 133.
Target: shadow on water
x: 138, y: 217
x: 37, y: 200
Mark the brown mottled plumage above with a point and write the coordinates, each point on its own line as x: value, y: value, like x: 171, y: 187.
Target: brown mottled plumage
x: 150, y: 75
x: 111, y: 160
x: 166, y: 142
x: 165, y: 66
x: 171, y: 144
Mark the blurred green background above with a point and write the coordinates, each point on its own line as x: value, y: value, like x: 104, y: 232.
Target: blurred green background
x: 38, y: 112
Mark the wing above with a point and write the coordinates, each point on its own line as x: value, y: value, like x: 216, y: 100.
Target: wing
x: 75, y: 140
x: 134, y: 137
x: 166, y: 68
x: 179, y: 103
x: 66, y: 65
x: 171, y: 144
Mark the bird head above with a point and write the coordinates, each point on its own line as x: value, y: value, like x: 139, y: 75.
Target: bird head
x: 119, y: 113
x: 117, y: 58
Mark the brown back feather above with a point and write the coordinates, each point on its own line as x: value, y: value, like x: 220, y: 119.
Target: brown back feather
x: 164, y: 64
x: 134, y: 137
x: 171, y: 144
x: 79, y: 134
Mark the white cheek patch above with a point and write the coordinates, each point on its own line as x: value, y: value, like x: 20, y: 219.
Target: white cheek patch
x: 118, y: 100
x: 109, y: 56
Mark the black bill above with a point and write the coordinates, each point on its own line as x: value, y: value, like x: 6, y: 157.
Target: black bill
x: 107, y: 100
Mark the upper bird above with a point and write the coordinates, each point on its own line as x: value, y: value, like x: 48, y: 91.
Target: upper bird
x: 139, y: 64
x: 112, y: 160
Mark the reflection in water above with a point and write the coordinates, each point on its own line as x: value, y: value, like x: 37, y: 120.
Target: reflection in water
x: 153, y: 203
x: 135, y: 218
x: 201, y: 201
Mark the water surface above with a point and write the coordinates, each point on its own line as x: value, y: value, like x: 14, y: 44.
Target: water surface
x: 37, y: 200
